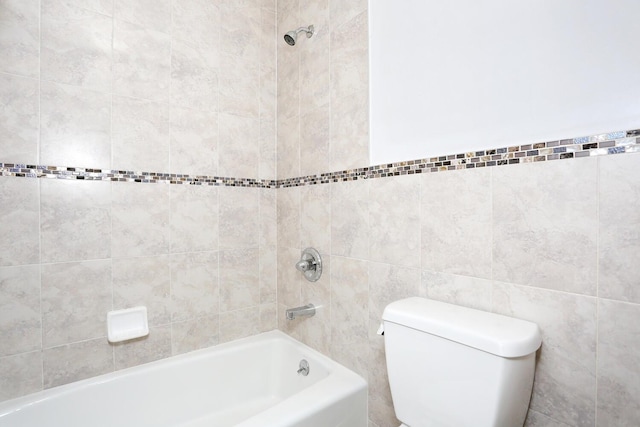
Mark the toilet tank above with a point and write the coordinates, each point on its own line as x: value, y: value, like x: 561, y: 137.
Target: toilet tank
x: 456, y: 366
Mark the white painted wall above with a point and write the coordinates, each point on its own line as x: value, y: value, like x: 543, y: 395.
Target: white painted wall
x: 461, y: 75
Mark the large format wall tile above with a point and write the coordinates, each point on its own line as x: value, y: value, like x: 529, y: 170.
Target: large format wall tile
x: 20, y: 37
x: 350, y: 222
x: 194, y: 77
x: 75, y: 220
x: 76, y: 126
x: 460, y: 290
x: 565, y: 381
x: 239, y: 217
x: 350, y: 57
x: 456, y: 231
x: 194, y: 142
x: 75, y: 362
x: 76, y: 46
x: 19, y: 120
x: 151, y: 14
x: 315, y: 217
x: 315, y: 132
x: 19, y: 228
x: 20, y: 319
x: 194, y: 218
x: 239, y: 279
x: 350, y: 131
x: 545, y: 225
x: 20, y: 374
x: 195, y: 334
x: 194, y: 285
x: 155, y: 346
x: 618, y: 361
x: 75, y: 300
x: 619, y: 228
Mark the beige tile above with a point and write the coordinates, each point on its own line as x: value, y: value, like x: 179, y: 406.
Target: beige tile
x: 20, y: 375
x: 240, y: 96
x: 289, y: 217
x: 141, y: 218
x: 19, y: 123
x: 268, y: 274
x: 140, y: 135
x: 350, y: 313
x: 195, y: 291
x: 76, y: 46
x: 143, y: 282
x: 194, y: 218
x: 618, y: 361
x: 239, y: 324
x: 315, y: 217
x: 76, y: 126
x: 240, y: 29
x: 155, y: 346
x: 236, y: 159
x: 20, y: 319
x: 394, y: 217
x: 151, y: 14
x: 289, y: 279
x: 239, y: 279
x: 20, y: 221
x: 456, y: 222
x: 541, y: 215
x: 194, y: 76
x: 75, y: 300
x: 380, y: 402
x: 288, y: 77
x: 619, y: 227
x: 389, y: 283
x: 565, y: 381
x: 268, y: 317
x: 350, y: 222
x: 288, y: 147
x: 141, y: 61
x: 350, y: 57
x: 350, y: 131
x: 343, y: 11
x: 197, y: 22
x: 315, y: 71
x: 104, y: 7
x: 316, y: 331
x: 460, y: 290
x: 239, y: 217
x: 20, y: 37
x: 267, y: 148
x: 194, y: 334
x: 75, y: 362
x: 536, y: 419
x: 268, y: 217
x: 75, y: 220
x: 315, y: 142
x: 194, y: 142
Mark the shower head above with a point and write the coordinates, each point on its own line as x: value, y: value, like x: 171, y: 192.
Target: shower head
x: 292, y: 36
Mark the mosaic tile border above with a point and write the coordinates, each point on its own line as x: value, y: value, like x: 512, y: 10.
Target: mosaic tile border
x: 595, y: 145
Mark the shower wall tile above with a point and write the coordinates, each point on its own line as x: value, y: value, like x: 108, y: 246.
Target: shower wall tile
x: 315, y: 131
x: 289, y: 279
x: 315, y: 70
x: 195, y: 291
x: 618, y: 361
x: 144, y: 281
x: 315, y: 217
x: 194, y: 77
x: 194, y: 142
x: 75, y: 362
x: 350, y: 57
x: 239, y: 324
x: 240, y: 30
x: 239, y: 279
x: 20, y: 374
x: 75, y: 299
x: 344, y: 11
x: 394, y: 216
x: 141, y: 61
x: 76, y: 126
x: 268, y: 317
x: 268, y: 233
x: 350, y: 131
x: 238, y: 146
x: 288, y: 147
x: 76, y: 46
x: 104, y: 7
x: 155, y: 346
x: 152, y: 14
x: 389, y: 283
x: 194, y: 218
x: 198, y: 22
x: 536, y: 231
x: 75, y: 220
x: 267, y: 149
x: 565, y: 380
x: 20, y: 319
x: 19, y: 121
x: 466, y: 291
x: 536, y: 419
x: 194, y: 335
x: 268, y: 274
x: 240, y: 96
x: 288, y: 78
x: 619, y: 228
x: 456, y: 232
x: 141, y: 218
x: 20, y: 221
x: 140, y: 136
x: 239, y: 217
x: 20, y: 37
x: 289, y: 217
x: 350, y: 221
x: 316, y: 331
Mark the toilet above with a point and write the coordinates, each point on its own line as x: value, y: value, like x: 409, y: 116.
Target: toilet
x: 452, y: 366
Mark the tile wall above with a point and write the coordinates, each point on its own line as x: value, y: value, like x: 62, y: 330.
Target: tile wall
x: 554, y: 242
x: 182, y: 87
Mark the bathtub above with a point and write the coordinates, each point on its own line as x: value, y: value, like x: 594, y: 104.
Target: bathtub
x: 252, y: 382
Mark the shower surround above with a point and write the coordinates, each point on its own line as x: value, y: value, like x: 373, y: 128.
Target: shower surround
x: 547, y: 241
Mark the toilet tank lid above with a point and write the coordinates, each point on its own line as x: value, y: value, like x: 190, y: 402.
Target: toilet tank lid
x: 494, y: 333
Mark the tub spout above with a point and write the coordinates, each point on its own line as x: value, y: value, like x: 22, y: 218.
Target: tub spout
x: 304, y: 311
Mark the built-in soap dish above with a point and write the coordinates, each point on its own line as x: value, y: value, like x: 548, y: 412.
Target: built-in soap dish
x: 123, y: 325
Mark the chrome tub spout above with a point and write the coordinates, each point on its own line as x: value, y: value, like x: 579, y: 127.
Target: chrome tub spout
x: 304, y: 311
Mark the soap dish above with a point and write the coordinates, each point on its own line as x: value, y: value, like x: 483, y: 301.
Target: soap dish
x: 123, y: 325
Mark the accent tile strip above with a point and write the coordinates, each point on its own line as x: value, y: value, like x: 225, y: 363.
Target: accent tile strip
x: 595, y: 145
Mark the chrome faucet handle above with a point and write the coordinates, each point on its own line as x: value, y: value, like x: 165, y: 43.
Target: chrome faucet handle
x: 310, y: 264
x: 304, y: 265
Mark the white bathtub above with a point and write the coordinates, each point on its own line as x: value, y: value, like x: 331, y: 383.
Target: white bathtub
x: 251, y: 382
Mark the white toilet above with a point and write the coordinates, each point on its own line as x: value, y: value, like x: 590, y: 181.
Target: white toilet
x: 459, y: 367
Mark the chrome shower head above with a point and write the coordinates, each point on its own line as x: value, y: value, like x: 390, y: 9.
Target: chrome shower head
x: 292, y: 36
